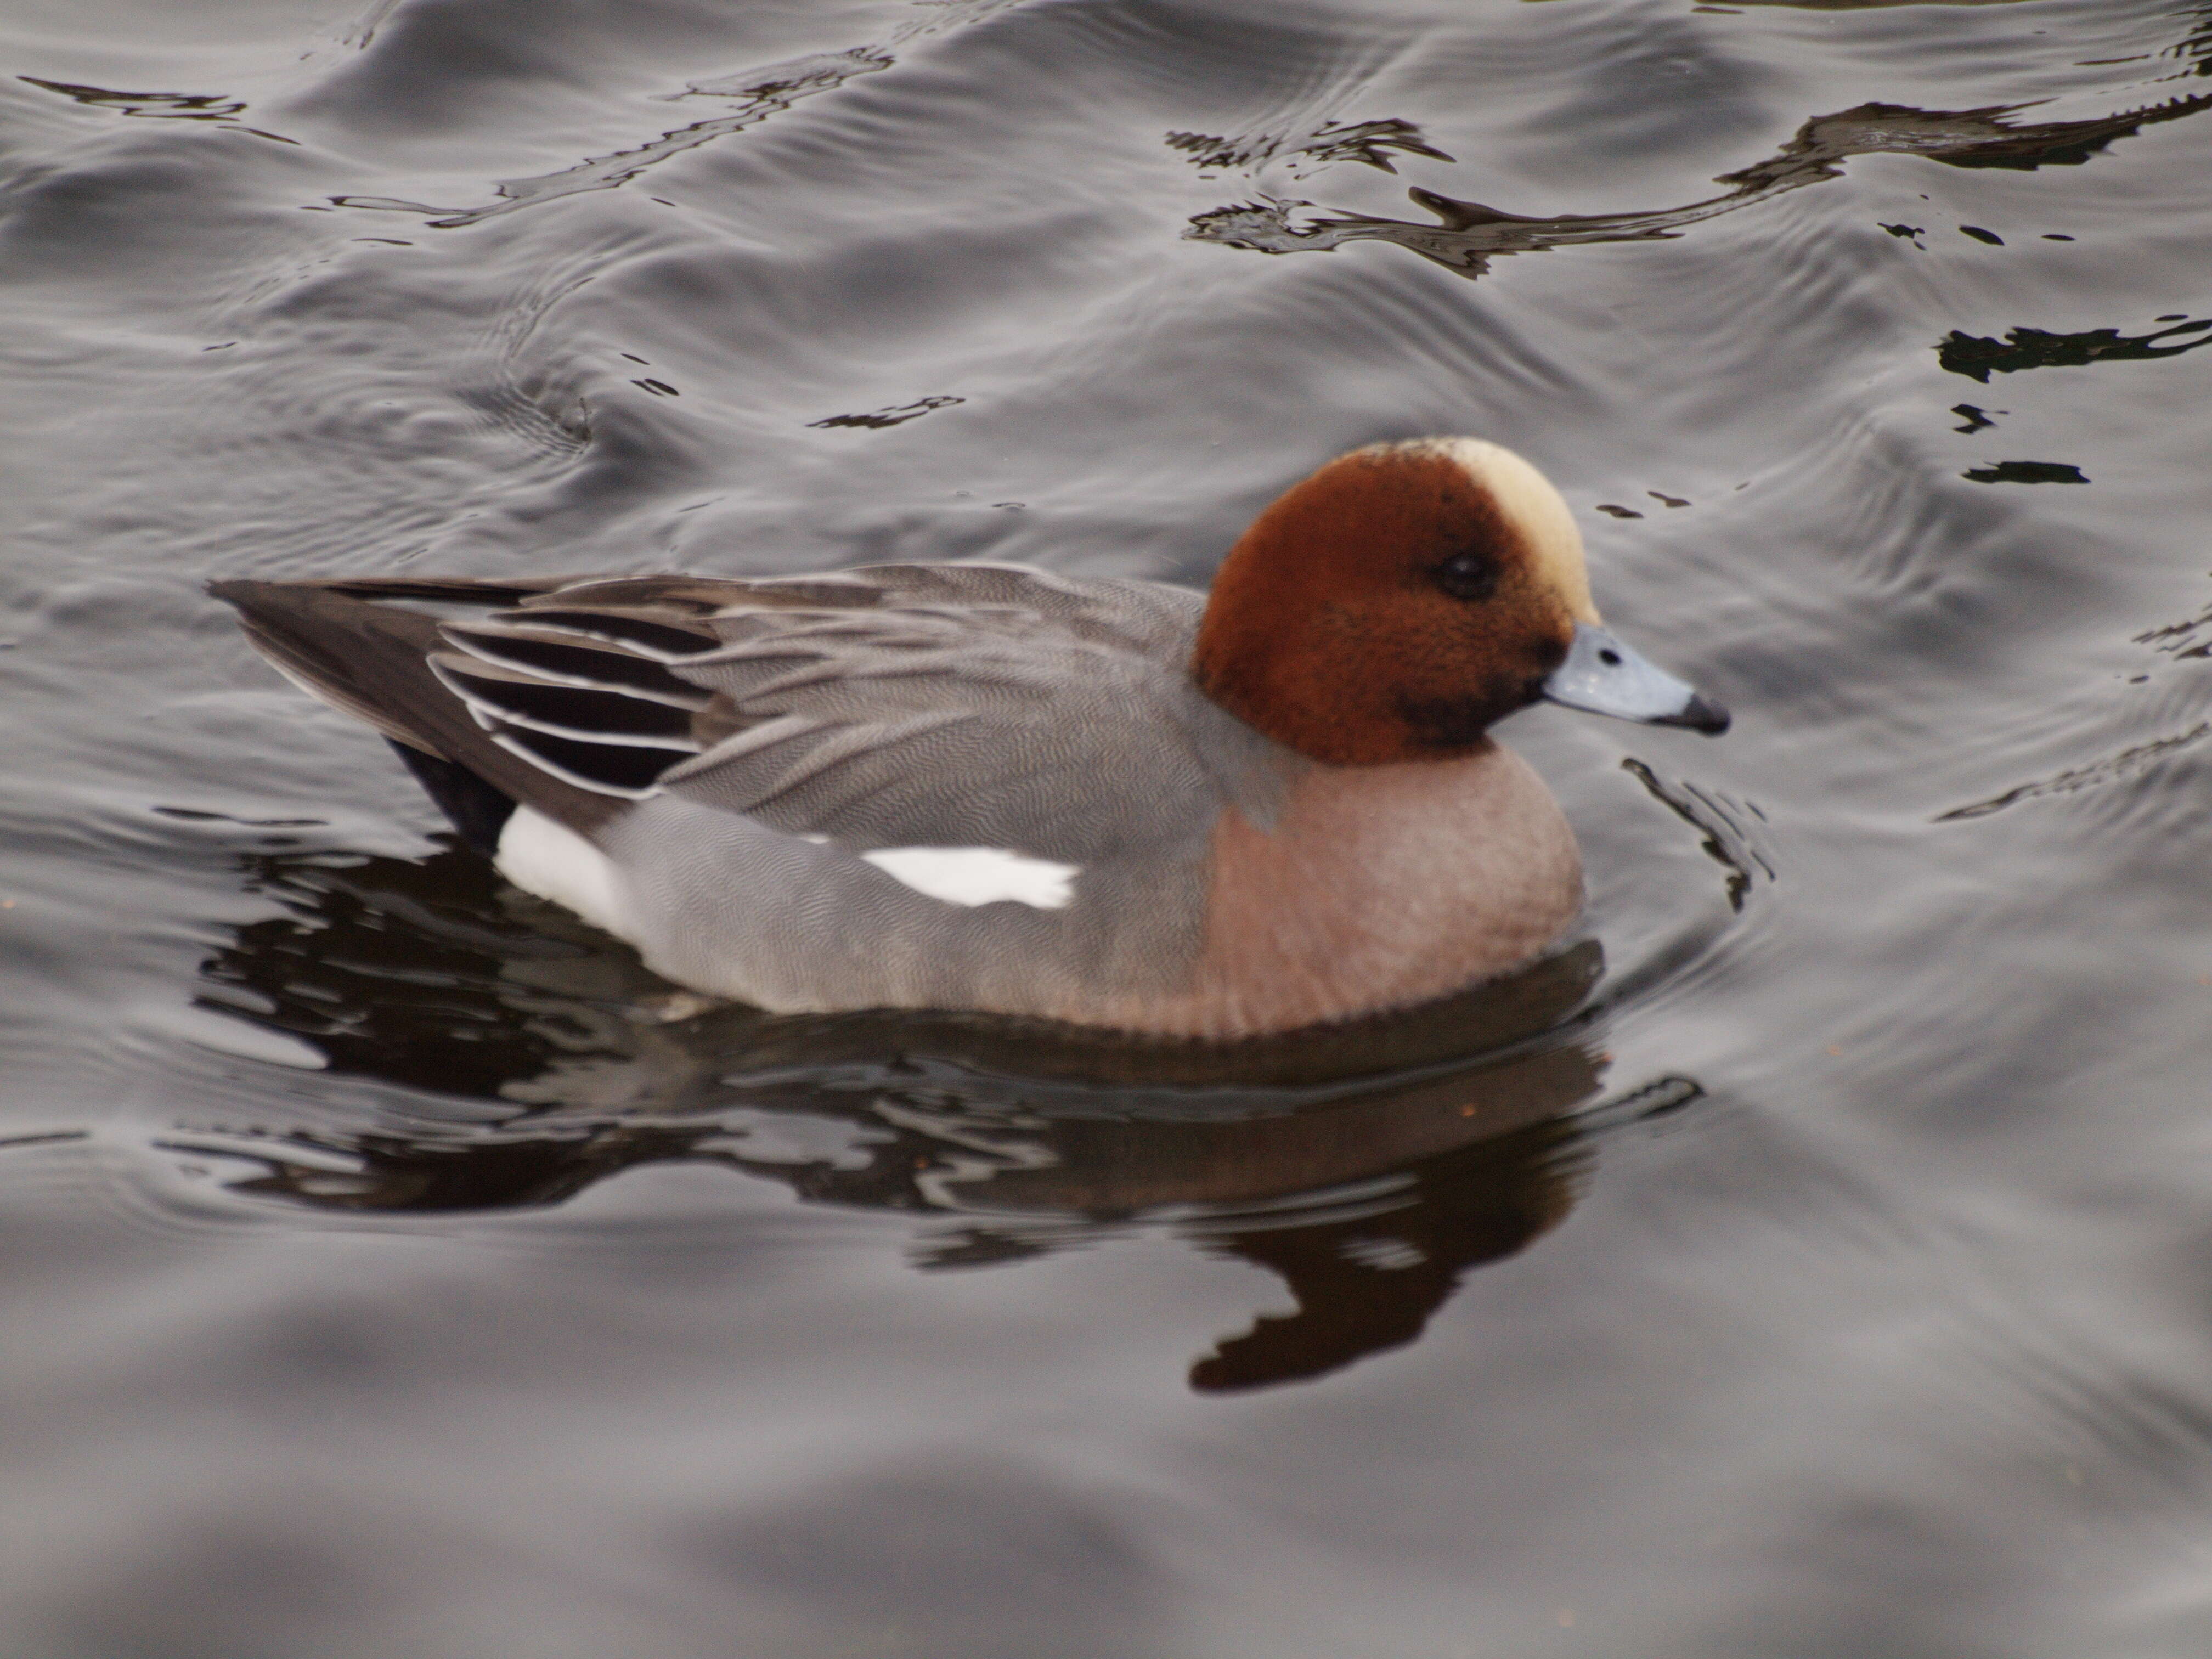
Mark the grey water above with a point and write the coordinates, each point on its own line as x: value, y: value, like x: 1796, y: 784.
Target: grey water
x: 1815, y: 1257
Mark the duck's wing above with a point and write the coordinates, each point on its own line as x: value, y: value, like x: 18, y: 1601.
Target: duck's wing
x: 960, y: 706
x: 893, y: 706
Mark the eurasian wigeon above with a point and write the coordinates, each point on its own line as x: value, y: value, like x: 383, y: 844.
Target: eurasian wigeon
x: 981, y: 786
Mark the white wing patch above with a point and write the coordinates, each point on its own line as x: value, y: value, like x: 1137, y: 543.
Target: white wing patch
x: 978, y: 875
x: 542, y: 857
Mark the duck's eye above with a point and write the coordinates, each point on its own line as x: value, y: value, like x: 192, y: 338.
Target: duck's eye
x: 1467, y: 576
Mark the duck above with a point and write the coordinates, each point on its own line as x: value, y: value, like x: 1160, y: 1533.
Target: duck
x: 990, y: 789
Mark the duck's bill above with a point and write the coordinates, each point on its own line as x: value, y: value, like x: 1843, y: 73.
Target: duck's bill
x: 1605, y: 677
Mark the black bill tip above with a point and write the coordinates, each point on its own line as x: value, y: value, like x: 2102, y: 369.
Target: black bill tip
x: 1699, y: 715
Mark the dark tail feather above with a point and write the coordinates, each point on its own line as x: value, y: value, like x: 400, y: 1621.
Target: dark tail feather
x: 368, y: 661
x: 474, y: 808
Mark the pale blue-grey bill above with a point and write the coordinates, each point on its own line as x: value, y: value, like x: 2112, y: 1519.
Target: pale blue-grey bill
x: 1605, y: 677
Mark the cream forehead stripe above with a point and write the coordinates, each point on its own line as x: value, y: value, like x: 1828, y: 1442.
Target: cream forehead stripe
x: 978, y: 875
x: 1529, y: 499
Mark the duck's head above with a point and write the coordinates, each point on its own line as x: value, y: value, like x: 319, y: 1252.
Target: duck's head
x: 1408, y: 595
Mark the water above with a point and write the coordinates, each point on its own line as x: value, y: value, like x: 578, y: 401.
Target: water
x: 1810, y: 1261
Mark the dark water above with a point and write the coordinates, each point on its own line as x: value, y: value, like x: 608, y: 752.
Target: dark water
x: 1814, y: 1259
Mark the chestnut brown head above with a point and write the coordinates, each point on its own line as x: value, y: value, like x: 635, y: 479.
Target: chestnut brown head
x: 1406, y: 597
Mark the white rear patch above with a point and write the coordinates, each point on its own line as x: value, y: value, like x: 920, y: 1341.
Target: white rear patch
x: 542, y: 857
x: 978, y: 875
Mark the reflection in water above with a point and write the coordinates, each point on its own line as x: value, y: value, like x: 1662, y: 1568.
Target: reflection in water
x: 1729, y: 838
x: 759, y: 93
x: 2027, y: 472
x: 1866, y: 5
x: 1368, y: 1280
x: 1468, y: 234
x: 768, y: 92
x: 897, y: 416
x: 158, y: 106
x: 1369, y: 1165
x: 1369, y: 142
x: 2110, y: 769
x: 1979, y: 358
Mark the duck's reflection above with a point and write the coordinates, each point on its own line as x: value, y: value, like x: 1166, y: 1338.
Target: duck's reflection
x: 1369, y: 1165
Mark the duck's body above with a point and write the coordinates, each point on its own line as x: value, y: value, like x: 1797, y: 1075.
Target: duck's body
x: 983, y: 787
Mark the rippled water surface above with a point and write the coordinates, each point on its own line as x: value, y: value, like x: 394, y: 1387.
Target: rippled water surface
x: 1815, y: 1258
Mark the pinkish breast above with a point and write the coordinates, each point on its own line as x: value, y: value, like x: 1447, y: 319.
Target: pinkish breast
x: 1381, y: 886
